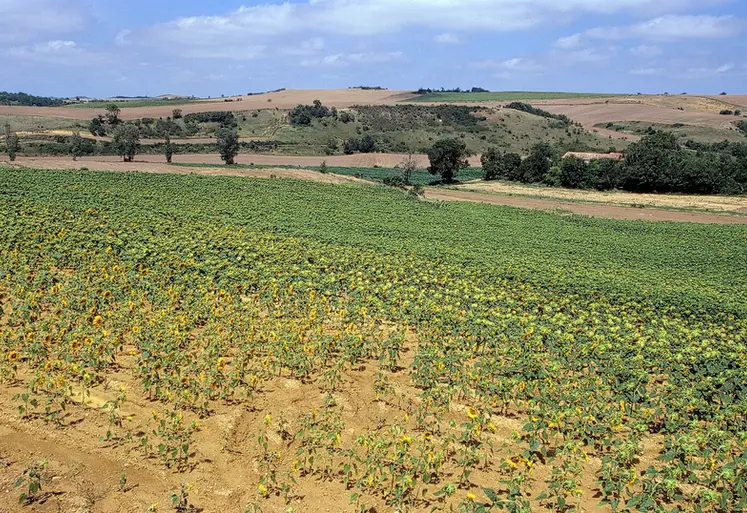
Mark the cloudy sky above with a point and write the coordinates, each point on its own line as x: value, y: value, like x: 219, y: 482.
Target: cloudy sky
x: 151, y: 47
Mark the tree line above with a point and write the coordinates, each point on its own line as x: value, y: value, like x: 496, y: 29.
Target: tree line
x: 424, y: 90
x: 525, y: 107
x: 657, y: 163
x: 28, y: 100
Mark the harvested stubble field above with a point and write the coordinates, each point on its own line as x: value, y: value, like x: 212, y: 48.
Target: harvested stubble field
x: 259, y: 345
x: 284, y: 100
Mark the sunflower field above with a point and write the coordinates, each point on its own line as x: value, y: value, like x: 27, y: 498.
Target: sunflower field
x: 219, y: 343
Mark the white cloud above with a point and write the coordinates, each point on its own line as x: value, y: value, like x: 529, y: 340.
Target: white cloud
x: 673, y: 27
x: 569, y: 42
x: 511, y: 68
x: 58, y: 52
x: 645, y: 71
x: 27, y: 20
x: 588, y: 55
x: 447, y: 38
x: 703, y: 72
x: 646, y: 51
x: 244, y: 31
x: 346, y: 59
x: 307, y: 47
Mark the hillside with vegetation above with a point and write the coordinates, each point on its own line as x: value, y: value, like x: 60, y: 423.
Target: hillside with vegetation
x: 28, y: 100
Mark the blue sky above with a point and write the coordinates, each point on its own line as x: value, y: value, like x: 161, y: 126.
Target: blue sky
x: 141, y: 47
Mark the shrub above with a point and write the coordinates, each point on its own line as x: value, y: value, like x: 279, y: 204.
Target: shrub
x: 224, y: 118
x: 525, y: 107
x: 303, y: 115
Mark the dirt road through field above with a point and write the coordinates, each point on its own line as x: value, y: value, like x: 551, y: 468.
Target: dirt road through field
x: 603, y: 211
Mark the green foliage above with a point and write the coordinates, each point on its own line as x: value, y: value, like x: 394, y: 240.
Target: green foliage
x: 97, y: 127
x: 597, y: 336
x: 655, y: 164
x: 447, y: 158
x: 366, y: 144
x: 112, y: 114
x: 573, y: 173
x: 347, y: 117
x: 77, y: 145
x: 537, y: 164
x: 177, y: 114
x: 168, y: 149
x: 525, y: 107
x: 222, y: 117
x: 303, y: 115
x: 28, y: 100
x: 12, y: 144
x: 227, y: 139
x: 31, y: 478
x: 397, y: 118
x: 497, y: 165
x: 742, y: 126
x: 126, y: 141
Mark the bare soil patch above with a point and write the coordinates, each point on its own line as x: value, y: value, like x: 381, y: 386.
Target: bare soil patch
x: 602, y: 211
x: 711, y: 203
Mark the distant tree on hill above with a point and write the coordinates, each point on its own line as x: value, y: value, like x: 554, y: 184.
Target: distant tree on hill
x: 12, y: 144
x: 97, y: 127
x: 28, y: 100
x: 447, y: 158
x: 112, y: 114
x: 126, y: 141
x: 76, y: 145
x: 303, y: 115
x: 168, y: 148
x: 228, y: 143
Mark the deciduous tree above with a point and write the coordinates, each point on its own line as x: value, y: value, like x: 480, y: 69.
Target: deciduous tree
x: 228, y: 143
x: 126, y: 141
x: 447, y: 158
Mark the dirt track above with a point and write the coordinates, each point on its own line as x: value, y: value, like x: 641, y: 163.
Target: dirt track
x: 585, y: 209
x: 433, y: 193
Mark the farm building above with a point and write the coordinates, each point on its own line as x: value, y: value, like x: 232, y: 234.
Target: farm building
x: 586, y: 157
